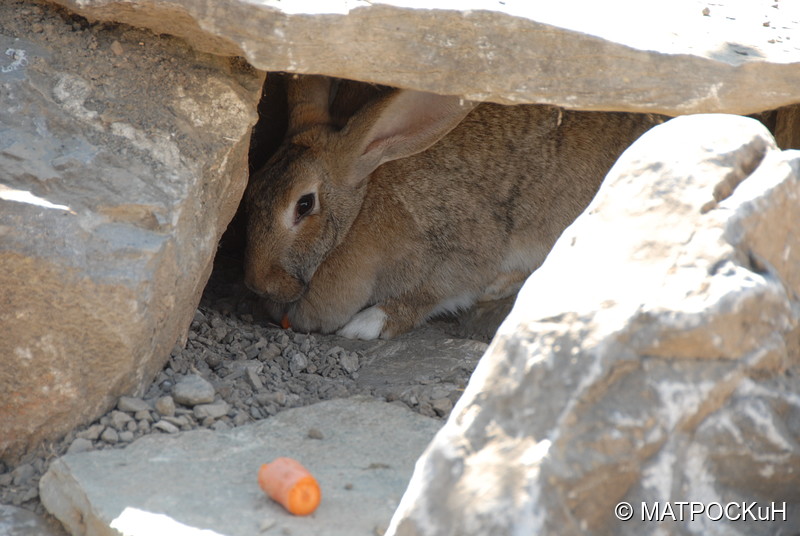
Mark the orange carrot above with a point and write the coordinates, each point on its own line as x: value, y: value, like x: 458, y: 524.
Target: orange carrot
x: 285, y: 322
x: 290, y: 484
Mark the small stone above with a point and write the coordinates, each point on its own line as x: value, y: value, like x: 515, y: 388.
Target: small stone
x: 278, y: 397
x: 241, y: 418
x: 298, y: 363
x: 214, y: 411
x: 252, y: 375
x: 131, y: 404
x: 109, y: 435
x: 269, y: 353
x: 192, y: 390
x: 167, y: 427
x: 231, y: 336
x: 117, y: 49
x: 23, y: 474
x: 220, y: 426
x: 165, y: 406
x: 315, y: 433
x: 254, y: 349
x: 213, y: 360
x: 145, y: 415
x: 266, y: 524
x: 199, y: 317
x: 120, y: 420
x: 92, y: 433
x: 30, y: 494
x: 442, y: 406
x: 126, y: 436
x: 143, y: 426
x: 177, y: 421
x: 349, y: 362
x: 80, y: 444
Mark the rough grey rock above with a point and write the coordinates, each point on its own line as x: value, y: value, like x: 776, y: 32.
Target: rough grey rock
x: 19, y: 522
x: 207, y: 481
x: 654, y: 357
x: 192, y: 390
x: 118, y: 174
x: 581, y: 54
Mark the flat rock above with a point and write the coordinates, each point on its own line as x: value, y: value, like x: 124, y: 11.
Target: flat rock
x: 677, y: 57
x: 118, y: 174
x: 206, y: 481
x: 654, y: 358
x: 20, y: 522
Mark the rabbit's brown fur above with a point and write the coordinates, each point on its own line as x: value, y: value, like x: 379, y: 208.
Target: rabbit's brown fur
x: 467, y: 219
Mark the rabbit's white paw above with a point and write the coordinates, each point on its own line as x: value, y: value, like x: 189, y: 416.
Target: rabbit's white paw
x: 366, y: 325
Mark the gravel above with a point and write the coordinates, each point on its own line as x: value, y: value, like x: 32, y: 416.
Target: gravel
x: 234, y: 369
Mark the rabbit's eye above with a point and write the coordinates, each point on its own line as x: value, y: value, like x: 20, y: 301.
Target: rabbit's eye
x: 304, y: 205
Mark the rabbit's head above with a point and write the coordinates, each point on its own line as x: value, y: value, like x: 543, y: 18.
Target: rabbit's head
x: 302, y: 203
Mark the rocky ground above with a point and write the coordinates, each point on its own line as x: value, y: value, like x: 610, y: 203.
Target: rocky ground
x: 236, y: 369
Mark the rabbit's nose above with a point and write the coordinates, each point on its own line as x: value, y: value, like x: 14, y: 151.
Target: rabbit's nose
x: 275, y: 284
x: 253, y: 288
x: 253, y: 280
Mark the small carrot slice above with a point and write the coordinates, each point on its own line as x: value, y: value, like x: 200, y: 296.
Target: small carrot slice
x: 290, y: 484
x: 285, y: 324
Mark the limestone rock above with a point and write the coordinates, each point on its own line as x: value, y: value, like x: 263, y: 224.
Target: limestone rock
x: 670, y: 57
x: 654, y: 357
x: 120, y: 166
x: 203, y: 482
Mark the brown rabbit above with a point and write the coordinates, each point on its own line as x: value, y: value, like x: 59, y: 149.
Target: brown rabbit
x: 368, y: 226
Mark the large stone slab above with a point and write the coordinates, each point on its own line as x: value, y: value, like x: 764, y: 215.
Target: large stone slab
x: 203, y: 482
x: 653, y: 359
x: 677, y: 57
x: 122, y: 158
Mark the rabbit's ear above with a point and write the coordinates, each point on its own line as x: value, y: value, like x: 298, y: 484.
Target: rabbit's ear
x: 308, y: 99
x: 400, y: 125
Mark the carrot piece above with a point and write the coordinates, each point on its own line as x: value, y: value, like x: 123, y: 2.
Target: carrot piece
x: 290, y: 484
x: 285, y: 322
